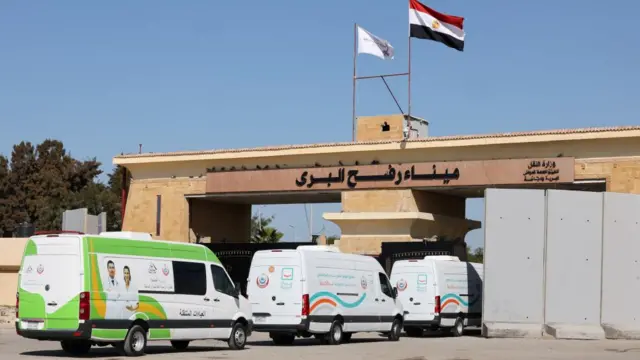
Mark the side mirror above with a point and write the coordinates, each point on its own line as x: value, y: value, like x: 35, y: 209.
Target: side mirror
x: 395, y: 292
x: 237, y: 289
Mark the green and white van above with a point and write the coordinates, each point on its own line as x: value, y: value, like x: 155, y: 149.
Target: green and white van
x: 123, y: 289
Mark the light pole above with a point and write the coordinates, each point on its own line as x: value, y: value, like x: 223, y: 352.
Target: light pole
x: 294, y: 232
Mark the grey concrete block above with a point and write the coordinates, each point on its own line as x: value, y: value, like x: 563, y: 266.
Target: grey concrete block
x: 575, y: 332
x: 621, y: 332
x: 511, y: 330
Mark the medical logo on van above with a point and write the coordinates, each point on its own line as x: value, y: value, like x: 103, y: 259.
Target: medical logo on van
x: 364, y: 283
x: 401, y: 285
x: 165, y: 270
x: 287, y: 274
x: 422, y: 282
x: 152, y: 268
x: 262, y: 281
x: 40, y: 269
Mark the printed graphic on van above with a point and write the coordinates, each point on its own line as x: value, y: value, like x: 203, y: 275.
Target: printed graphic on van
x: 401, y: 285
x: 454, y: 299
x: 262, y: 281
x: 333, y: 300
x: 364, y: 283
x: 118, y: 290
x: 287, y: 274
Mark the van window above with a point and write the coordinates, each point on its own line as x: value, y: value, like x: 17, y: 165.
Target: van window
x: 221, y: 281
x: 385, y: 286
x: 189, y: 278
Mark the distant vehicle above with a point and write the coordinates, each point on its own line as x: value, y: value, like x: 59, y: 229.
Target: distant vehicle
x: 319, y: 291
x: 439, y: 292
x: 122, y: 289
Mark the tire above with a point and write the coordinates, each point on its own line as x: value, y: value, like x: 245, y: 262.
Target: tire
x: 414, y: 332
x: 335, y: 334
x: 396, y: 330
x: 238, y: 337
x: 346, y: 337
x: 134, y: 343
x: 458, y: 328
x: 283, y: 339
x: 75, y: 347
x: 180, y: 344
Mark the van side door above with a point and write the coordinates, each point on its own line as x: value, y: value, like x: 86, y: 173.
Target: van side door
x: 224, y: 300
x: 387, y: 302
x: 189, y: 310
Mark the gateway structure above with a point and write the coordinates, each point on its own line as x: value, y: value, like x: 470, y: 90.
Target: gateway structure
x: 390, y: 189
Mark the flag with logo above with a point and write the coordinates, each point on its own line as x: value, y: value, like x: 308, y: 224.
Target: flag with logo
x: 426, y: 23
x: 373, y: 45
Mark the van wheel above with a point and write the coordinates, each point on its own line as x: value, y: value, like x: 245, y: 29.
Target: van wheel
x: 458, y: 328
x: 283, y: 339
x: 238, y: 338
x: 75, y: 348
x: 180, y: 344
x: 335, y: 333
x: 396, y: 330
x: 135, y: 342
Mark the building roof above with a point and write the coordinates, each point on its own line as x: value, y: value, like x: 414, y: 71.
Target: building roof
x: 433, y: 141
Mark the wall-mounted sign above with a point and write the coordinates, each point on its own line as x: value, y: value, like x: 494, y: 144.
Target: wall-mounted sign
x: 352, y: 177
x: 389, y: 176
x: 542, y: 171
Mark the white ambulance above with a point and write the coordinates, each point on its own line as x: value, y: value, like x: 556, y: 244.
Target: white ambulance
x: 439, y: 292
x: 319, y: 291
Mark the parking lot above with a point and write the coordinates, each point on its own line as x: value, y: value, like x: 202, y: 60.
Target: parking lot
x: 364, y: 346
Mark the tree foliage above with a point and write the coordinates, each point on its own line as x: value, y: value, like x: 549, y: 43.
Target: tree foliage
x: 262, y: 232
x: 40, y: 182
x: 476, y: 256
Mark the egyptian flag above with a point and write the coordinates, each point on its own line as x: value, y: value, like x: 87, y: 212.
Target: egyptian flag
x: 426, y: 23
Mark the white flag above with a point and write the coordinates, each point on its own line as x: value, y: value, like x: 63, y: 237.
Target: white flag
x: 373, y: 45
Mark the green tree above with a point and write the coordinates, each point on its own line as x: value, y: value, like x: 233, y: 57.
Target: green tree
x: 331, y: 239
x: 476, y: 255
x: 262, y: 232
x: 5, y: 210
x: 43, y: 181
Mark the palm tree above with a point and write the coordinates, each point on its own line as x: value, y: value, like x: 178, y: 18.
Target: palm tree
x: 261, y: 232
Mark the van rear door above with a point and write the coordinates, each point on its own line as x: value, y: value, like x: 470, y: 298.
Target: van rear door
x: 416, y: 288
x: 274, y: 287
x: 51, y: 280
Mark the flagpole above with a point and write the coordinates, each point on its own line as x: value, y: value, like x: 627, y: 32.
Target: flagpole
x: 353, y: 105
x: 409, y: 76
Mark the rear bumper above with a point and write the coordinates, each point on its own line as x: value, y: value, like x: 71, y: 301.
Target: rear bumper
x: 435, y: 322
x: 83, y: 332
x: 286, y: 328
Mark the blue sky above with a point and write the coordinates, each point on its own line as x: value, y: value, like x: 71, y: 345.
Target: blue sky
x: 106, y: 76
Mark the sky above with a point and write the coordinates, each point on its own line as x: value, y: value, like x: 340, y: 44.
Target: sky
x: 104, y: 77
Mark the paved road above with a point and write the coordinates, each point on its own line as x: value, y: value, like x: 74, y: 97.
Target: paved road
x: 364, y: 346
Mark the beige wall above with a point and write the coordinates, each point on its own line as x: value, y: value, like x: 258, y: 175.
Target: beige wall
x: 10, y: 258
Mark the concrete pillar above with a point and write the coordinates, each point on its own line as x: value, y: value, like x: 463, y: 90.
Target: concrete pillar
x: 219, y: 222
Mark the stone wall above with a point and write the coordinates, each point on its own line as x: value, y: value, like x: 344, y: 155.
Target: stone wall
x: 7, y: 315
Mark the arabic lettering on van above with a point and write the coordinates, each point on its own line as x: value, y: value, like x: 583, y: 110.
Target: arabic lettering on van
x: 339, y: 280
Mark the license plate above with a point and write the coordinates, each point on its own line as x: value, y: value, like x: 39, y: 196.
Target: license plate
x: 31, y: 325
x: 260, y: 319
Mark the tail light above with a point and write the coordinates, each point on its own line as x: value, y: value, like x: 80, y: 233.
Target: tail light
x: 436, y: 309
x: 305, y: 305
x: 84, y: 310
x: 17, y: 305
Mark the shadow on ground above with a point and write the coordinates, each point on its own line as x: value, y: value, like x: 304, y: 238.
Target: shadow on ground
x: 108, y: 352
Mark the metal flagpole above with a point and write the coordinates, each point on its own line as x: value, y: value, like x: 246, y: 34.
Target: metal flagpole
x: 409, y: 76
x: 353, y: 106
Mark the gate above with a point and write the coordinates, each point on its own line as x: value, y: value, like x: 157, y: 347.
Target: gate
x: 394, y: 251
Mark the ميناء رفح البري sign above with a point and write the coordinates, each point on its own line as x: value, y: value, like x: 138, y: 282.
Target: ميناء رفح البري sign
x: 388, y: 176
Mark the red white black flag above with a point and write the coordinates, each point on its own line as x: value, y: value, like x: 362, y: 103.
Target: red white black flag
x: 426, y: 23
